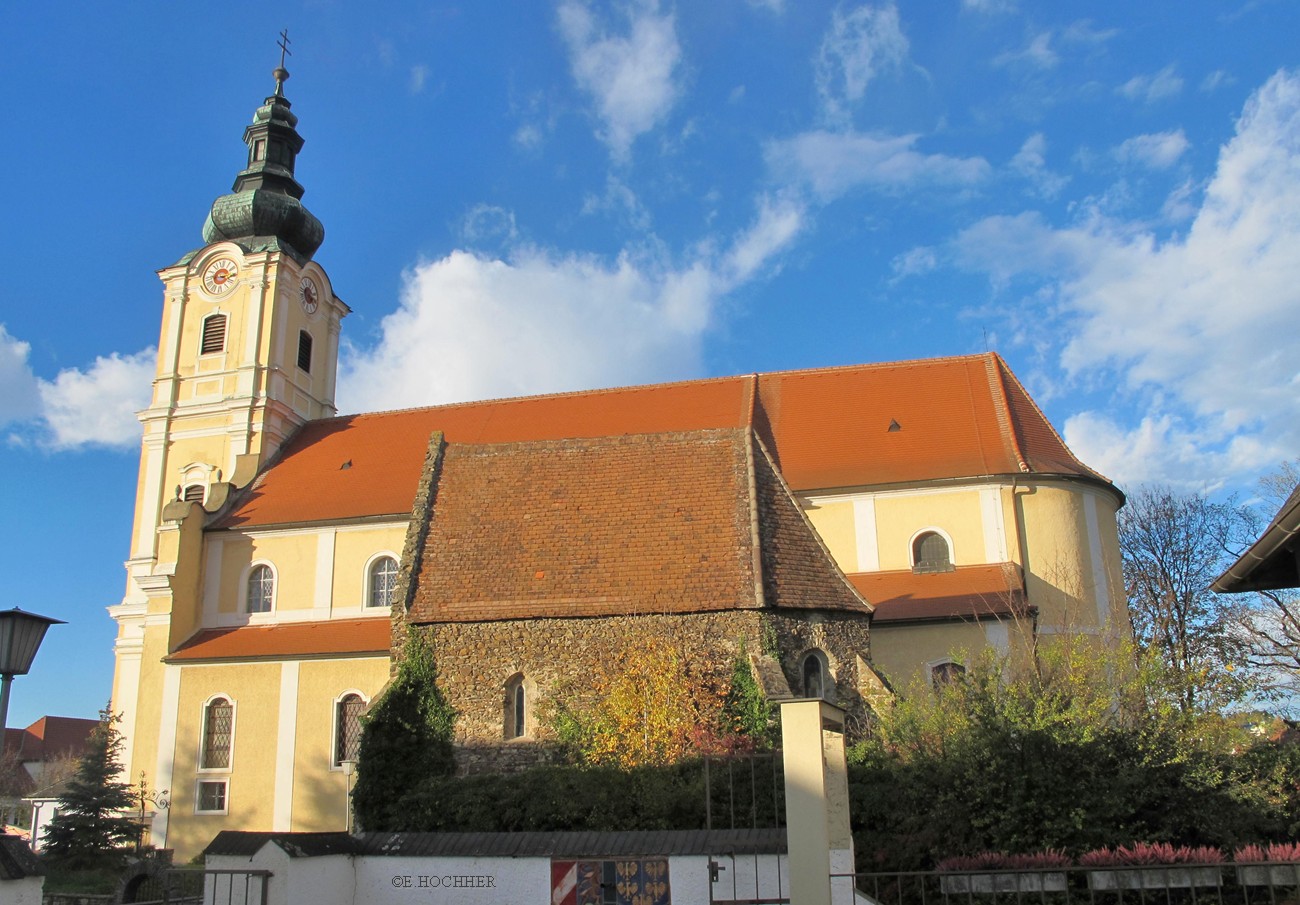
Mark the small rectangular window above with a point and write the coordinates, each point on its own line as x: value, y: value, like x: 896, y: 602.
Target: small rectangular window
x: 304, y: 351
x: 259, y: 149
x: 214, y: 334
x: 212, y: 797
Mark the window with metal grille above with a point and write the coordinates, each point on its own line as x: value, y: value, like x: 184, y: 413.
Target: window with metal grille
x: 383, y: 581
x: 261, y: 589
x: 347, y: 728
x: 218, y: 730
x: 930, y: 553
x: 304, y: 351
x: 212, y: 797
x: 214, y: 334
x: 193, y: 494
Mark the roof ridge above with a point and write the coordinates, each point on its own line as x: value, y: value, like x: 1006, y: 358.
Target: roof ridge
x: 876, y: 365
x: 1011, y: 430
x: 1007, y: 373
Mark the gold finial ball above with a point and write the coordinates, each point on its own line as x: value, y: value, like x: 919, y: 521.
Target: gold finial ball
x: 281, y: 74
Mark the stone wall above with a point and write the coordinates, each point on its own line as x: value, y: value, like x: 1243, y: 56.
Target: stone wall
x: 478, y: 660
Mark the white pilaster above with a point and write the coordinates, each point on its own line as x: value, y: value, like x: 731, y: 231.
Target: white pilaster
x: 286, y: 740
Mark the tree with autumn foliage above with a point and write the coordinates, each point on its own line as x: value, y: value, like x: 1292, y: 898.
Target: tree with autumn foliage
x: 656, y: 702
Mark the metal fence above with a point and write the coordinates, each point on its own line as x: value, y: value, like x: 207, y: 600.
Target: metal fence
x: 1271, y: 883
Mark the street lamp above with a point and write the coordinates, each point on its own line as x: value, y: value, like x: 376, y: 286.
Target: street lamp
x: 21, y: 634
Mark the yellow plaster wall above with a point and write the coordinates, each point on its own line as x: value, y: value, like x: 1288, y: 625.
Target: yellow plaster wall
x: 353, y: 551
x: 144, y: 730
x: 319, y: 789
x: 292, y: 556
x: 255, y: 690
x: 1059, y: 570
x: 898, y: 518
x: 902, y: 652
x: 835, y: 523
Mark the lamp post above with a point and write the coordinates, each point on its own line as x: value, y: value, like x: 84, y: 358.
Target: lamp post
x: 349, y: 765
x: 21, y: 634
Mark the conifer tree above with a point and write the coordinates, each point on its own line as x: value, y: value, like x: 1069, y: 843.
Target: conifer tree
x: 406, y: 738
x: 90, y: 825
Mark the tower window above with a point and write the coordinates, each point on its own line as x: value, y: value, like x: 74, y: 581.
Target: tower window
x: 214, y: 334
x: 218, y: 731
x: 930, y: 553
x: 261, y: 589
x: 304, y: 351
x: 259, y: 149
x: 347, y: 727
x: 383, y: 581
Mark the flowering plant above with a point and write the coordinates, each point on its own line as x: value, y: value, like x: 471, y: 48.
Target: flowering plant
x: 1274, y: 851
x: 986, y: 861
x: 1143, y: 853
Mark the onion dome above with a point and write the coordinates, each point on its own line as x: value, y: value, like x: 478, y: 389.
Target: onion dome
x: 264, y: 209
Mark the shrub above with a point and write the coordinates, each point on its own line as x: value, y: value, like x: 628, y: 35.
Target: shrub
x: 1150, y: 853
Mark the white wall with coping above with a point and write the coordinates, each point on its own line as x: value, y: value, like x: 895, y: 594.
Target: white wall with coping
x: 389, y: 880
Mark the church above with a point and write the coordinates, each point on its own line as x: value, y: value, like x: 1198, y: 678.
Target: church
x: 854, y: 529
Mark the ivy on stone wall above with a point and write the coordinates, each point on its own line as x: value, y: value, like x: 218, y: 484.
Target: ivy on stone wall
x: 405, y: 738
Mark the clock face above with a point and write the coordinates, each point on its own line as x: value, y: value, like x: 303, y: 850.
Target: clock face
x: 220, y: 276
x: 310, y: 296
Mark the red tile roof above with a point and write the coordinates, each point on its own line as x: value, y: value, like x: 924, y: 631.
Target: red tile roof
x: 956, y: 417
x: 290, y: 640
x: 967, y: 592
x: 648, y: 523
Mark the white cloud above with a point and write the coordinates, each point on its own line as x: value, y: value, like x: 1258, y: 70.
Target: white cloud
x: 859, y: 45
x: 832, y: 163
x: 1151, y: 88
x: 1031, y: 163
x: 473, y: 327
x: 914, y: 262
x: 1200, y: 327
x: 419, y: 76
x: 97, y: 407
x: 1158, y: 151
x: 19, y: 395
x: 489, y: 223
x: 631, y: 77
x: 989, y: 6
x: 1038, y: 53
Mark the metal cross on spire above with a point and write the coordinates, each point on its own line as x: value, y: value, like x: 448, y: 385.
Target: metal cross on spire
x: 281, y: 73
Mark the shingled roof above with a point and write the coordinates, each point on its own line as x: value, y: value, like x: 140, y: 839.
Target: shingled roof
x: 679, y: 522
x: 857, y: 426
x: 993, y: 591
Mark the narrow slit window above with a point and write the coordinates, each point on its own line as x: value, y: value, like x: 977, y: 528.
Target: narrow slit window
x: 814, y: 685
x: 214, y: 334
x: 304, y: 351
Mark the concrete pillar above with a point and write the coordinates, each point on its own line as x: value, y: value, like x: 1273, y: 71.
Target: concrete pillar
x: 819, y: 840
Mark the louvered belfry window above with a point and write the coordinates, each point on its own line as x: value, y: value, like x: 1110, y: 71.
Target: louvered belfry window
x: 193, y: 494
x: 304, y: 351
x: 214, y: 334
x: 347, y: 739
x: 218, y: 722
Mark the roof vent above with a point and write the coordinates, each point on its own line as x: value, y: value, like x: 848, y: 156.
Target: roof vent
x: 894, y: 426
x: 346, y: 465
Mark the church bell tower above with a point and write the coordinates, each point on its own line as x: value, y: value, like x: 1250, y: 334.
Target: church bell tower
x: 248, y: 350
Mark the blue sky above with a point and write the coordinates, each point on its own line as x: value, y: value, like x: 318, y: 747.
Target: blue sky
x: 524, y: 197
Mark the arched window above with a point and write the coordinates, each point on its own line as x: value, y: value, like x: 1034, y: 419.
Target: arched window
x: 347, y: 727
x: 382, y: 582
x: 261, y: 589
x: 214, y: 334
x: 516, y: 708
x: 218, y: 733
x: 930, y: 553
x: 815, y: 674
x: 946, y: 673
